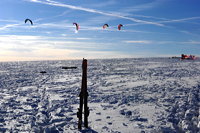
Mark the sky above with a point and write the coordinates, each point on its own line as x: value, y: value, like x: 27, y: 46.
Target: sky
x: 151, y: 28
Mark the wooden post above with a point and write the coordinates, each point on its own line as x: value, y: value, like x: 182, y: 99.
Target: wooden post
x: 85, y: 93
x: 83, y: 98
x: 80, y: 110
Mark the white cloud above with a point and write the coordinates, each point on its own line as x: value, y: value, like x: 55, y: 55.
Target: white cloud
x: 9, y: 26
x: 35, y: 42
x: 54, y: 3
x: 83, y: 38
x: 161, y: 42
x: 19, y: 47
x: 144, y: 6
x: 138, y: 41
x: 192, y: 42
x: 102, y: 4
x: 179, y: 20
x: 9, y: 21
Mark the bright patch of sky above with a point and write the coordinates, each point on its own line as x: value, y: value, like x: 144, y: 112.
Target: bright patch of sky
x: 151, y: 28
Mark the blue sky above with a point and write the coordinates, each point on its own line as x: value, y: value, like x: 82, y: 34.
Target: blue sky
x: 151, y: 28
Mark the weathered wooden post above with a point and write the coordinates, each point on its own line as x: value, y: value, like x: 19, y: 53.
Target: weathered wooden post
x: 83, y: 98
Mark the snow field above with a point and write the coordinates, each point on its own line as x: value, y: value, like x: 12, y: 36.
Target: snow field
x: 125, y: 95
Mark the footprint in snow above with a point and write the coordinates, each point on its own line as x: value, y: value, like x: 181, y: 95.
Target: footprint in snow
x: 108, y: 117
x: 109, y: 123
x: 98, y: 113
x: 125, y: 124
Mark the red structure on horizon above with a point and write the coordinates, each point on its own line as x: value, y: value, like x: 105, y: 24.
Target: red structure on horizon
x: 188, y: 57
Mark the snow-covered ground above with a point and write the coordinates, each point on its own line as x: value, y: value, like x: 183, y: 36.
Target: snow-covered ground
x: 147, y: 95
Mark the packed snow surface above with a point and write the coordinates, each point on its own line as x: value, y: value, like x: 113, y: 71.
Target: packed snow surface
x: 146, y: 95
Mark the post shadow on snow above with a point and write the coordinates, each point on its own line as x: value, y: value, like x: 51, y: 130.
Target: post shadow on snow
x: 88, y: 130
x: 168, y: 130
